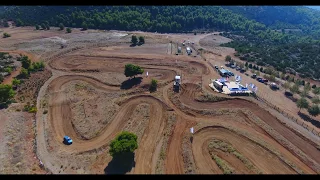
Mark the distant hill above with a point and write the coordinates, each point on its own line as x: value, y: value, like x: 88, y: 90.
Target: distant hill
x: 314, y: 7
x: 266, y: 30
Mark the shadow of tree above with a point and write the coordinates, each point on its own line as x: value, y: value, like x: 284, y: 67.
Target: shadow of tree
x: 309, y: 119
x: 120, y: 164
x: 130, y: 83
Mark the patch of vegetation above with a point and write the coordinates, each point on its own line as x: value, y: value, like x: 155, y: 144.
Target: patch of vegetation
x: 6, y: 94
x: 222, y: 165
x: 6, y: 35
x: 210, y: 98
x: 225, y: 147
x: 68, y: 30
x: 30, y: 108
x: 153, y: 85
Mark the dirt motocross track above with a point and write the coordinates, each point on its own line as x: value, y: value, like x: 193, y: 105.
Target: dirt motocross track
x: 256, y: 141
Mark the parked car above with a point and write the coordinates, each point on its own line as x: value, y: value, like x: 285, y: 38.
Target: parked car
x: 253, y: 76
x: 217, y: 67
x: 242, y: 70
x: 246, y: 74
x: 238, y: 68
x: 287, y: 93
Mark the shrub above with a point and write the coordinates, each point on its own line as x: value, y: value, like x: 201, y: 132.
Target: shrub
x: 125, y: 142
x: 154, y: 85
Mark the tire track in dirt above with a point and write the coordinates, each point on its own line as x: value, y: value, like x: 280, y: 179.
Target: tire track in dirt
x: 60, y: 120
x: 249, y: 149
x: 308, y: 147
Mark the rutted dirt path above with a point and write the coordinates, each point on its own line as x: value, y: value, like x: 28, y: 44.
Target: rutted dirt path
x: 165, y: 67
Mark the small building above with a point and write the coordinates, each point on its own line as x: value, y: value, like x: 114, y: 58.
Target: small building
x: 223, y: 72
x: 217, y: 85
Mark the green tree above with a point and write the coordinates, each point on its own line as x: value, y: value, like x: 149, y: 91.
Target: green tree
x: 313, y: 86
x: 195, y: 33
x: 15, y: 82
x: 8, y: 70
x: 26, y: 62
x: 154, y: 85
x: 37, y: 27
x: 302, y: 103
x: 141, y: 40
x: 304, y: 93
x: 246, y: 64
x: 134, y: 40
x: 43, y: 26
x: 125, y: 142
x: 315, y: 100
x: 314, y: 110
x: 19, y: 23
x: 282, y: 76
x: 250, y: 66
x: 132, y: 70
x: 84, y: 26
x: 61, y: 26
x: 6, y: 35
x: 261, y: 69
x: 24, y: 73
x: 294, y: 89
x: 307, y: 87
x: 6, y: 93
x: 47, y: 27
x: 316, y: 90
x: 68, y: 30
x: 228, y: 58
x: 286, y: 85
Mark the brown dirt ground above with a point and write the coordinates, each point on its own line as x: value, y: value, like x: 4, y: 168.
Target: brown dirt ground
x: 85, y: 98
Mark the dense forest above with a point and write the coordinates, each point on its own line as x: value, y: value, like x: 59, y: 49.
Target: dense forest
x: 286, y: 37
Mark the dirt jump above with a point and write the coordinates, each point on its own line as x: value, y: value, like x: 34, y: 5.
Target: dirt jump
x: 232, y: 136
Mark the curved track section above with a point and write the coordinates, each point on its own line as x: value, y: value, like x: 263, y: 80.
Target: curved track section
x: 187, y: 97
x: 60, y: 120
x: 263, y: 159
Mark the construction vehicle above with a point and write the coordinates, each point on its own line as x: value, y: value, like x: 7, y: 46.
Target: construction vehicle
x: 177, y: 83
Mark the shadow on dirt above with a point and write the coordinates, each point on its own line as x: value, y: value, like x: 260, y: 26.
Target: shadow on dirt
x: 130, y: 83
x: 121, y: 164
x: 309, y: 119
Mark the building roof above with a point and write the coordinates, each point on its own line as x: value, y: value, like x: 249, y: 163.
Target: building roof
x: 223, y: 71
x: 232, y: 85
x: 219, y: 83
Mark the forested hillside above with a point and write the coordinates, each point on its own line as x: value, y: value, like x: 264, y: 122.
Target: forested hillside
x: 149, y: 18
x: 297, y: 18
x: 281, y: 36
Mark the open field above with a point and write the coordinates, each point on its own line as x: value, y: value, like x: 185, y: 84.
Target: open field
x: 89, y: 99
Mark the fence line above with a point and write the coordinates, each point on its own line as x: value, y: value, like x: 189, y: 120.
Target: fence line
x: 260, y: 98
